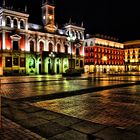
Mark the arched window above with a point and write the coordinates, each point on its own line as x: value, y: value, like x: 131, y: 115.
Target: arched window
x: 58, y: 48
x: 50, y: 47
x: 66, y: 49
x: 91, y: 43
x: 22, y: 26
x: 31, y: 46
x: 73, y: 34
x: 81, y: 36
x: 77, y: 36
x: 41, y: 46
x: 8, y: 22
x: 15, y: 23
x: 31, y: 62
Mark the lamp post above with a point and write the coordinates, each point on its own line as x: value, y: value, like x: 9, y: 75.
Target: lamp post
x: 52, y: 55
x: 71, y: 39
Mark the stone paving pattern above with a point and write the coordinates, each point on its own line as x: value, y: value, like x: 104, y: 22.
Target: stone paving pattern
x: 11, y: 131
x: 24, y: 87
x: 56, y: 126
x: 113, y: 107
x: 22, y: 105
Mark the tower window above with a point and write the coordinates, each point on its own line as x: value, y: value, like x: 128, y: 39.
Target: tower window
x: 50, y: 11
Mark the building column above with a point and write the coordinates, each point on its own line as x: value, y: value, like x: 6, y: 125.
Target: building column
x: 3, y: 40
x: 26, y: 43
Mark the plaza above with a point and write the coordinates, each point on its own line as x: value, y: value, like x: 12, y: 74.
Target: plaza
x: 57, y: 82
x: 88, y: 107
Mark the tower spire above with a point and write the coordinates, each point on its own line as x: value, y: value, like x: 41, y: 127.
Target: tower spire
x: 25, y: 8
x: 82, y: 24
x: 43, y: 2
x: 3, y: 4
x: 70, y: 21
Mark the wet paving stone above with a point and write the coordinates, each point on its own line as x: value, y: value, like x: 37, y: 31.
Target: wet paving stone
x: 70, y: 135
x: 88, y: 127
x: 49, y: 129
x: 14, y: 114
x: 66, y: 120
x: 32, y: 122
x: 48, y: 115
x: 31, y: 109
x: 105, y: 107
x: 116, y: 134
x: 11, y: 131
x: 136, y: 129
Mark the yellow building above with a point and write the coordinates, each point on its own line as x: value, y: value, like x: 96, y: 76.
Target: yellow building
x: 132, y: 55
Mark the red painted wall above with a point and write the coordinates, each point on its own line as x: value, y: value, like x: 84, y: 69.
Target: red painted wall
x: 8, y: 41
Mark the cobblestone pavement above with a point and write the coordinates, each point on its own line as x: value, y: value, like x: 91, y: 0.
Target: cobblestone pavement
x: 56, y: 126
x: 11, y: 131
x: 115, y: 107
x: 24, y: 90
x: 103, y: 115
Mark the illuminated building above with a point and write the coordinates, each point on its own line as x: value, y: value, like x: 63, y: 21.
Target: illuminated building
x: 102, y: 55
x: 132, y: 55
x: 26, y: 48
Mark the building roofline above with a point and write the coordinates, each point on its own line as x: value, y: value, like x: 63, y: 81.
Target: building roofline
x: 132, y: 42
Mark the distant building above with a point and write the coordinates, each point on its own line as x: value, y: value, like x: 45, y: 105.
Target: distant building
x: 132, y: 55
x: 27, y: 48
x: 102, y: 55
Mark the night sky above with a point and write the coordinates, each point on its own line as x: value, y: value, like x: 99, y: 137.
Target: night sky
x: 120, y: 18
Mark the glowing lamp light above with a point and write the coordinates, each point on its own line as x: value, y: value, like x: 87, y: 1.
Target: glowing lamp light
x: 71, y: 38
x: 50, y: 17
x: 22, y: 49
x: 104, y: 58
x: 52, y: 55
x: 44, y: 17
x: 8, y: 48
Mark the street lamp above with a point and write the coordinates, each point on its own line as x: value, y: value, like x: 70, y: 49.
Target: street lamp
x: 52, y: 55
x: 71, y: 39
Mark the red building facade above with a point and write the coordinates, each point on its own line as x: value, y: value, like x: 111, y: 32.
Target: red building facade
x: 103, y: 55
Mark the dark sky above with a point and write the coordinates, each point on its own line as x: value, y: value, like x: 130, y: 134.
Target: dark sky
x: 117, y: 18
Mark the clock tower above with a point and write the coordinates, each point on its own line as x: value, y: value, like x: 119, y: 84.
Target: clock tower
x: 48, y: 15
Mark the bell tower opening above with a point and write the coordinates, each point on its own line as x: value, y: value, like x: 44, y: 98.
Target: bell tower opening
x: 48, y: 15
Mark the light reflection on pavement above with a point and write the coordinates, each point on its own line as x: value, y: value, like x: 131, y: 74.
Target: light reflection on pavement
x: 23, y: 90
x: 114, y: 107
